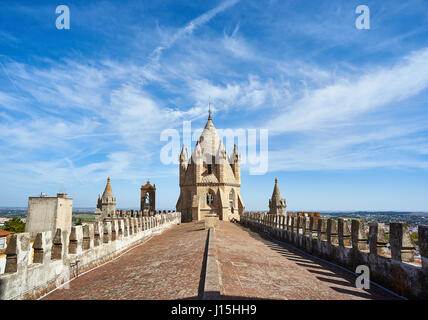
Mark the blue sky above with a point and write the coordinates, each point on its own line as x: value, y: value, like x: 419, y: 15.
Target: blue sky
x: 346, y: 108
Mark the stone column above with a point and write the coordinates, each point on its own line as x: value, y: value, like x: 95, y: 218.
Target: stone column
x: 114, y: 230
x: 135, y: 225
x: 72, y: 249
x: 303, y: 223
x: 377, y: 239
x: 402, y: 246
x: 322, y: 230
x: 57, y: 246
x: 423, y: 245
x: 344, y: 234
x: 106, y: 232
x: 313, y: 223
x: 358, y: 236
x: 38, y: 249
x: 143, y: 223
x: 120, y: 226
x: 97, y: 240
x: 12, y: 255
x: 140, y: 224
x: 86, y: 243
x: 308, y: 231
x: 17, y: 253
x: 311, y: 226
x: 299, y: 225
x: 126, y: 227
x: 332, y: 234
x: 130, y: 228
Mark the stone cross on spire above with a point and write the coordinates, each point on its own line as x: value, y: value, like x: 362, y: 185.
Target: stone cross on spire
x: 209, y: 109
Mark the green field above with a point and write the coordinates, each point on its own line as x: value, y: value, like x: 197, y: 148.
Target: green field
x: 84, y: 217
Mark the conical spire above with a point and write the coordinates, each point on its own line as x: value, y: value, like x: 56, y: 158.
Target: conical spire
x: 277, y: 204
x: 107, y: 191
x: 209, y: 142
x: 276, y: 193
x: 235, y: 156
x: 184, y: 155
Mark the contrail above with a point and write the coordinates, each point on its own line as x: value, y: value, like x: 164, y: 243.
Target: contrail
x: 192, y: 25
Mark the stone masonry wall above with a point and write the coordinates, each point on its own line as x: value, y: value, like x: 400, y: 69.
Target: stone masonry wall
x: 345, y: 244
x: 32, y: 272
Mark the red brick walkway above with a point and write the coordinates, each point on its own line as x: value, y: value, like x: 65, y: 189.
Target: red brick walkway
x: 169, y: 267
x: 253, y: 267
x: 166, y: 267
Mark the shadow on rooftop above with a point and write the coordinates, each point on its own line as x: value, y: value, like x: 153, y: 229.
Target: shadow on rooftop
x: 360, y: 294
x: 307, y: 261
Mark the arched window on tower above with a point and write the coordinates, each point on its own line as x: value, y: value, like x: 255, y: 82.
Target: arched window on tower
x: 231, y: 199
x: 231, y: 195
x: 210, y: 198
x: 209, y: 169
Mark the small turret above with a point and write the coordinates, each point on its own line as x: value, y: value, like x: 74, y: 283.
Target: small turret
x: 235, y: 163
x: 108, y: 192
x: 108, y: 202
x: 99, y: 202
x: 184, y: 162
x: 277, y: 204
x: 220, y: 163
x: 197, y: 161
x: 184, y: 156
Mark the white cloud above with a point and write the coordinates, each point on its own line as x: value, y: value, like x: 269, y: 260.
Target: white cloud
x: 347, y: 98
x: 251, y: 93
x: 190, y: 27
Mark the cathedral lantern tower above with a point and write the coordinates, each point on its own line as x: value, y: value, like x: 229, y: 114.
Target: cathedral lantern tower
x: 210, y: 181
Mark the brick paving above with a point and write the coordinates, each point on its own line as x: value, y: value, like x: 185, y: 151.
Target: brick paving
x: 254, y: 267
x: 169, y: 266
x: 166, y: 267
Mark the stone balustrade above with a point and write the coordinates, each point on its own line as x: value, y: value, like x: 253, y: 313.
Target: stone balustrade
x: 345, y: 243
x: 32, y: 271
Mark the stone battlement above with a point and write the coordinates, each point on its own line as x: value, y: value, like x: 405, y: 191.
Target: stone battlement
x: 54, y: 258
x: 119, y: 213
x: 345, y: 244
x: 293, y: 213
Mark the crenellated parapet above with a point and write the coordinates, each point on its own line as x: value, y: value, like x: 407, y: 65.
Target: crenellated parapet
x: 54, y: 258
x: 345, y: 242
x: 377, y: 239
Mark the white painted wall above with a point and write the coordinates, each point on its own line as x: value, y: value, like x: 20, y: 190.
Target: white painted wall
x: 2, y: 264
